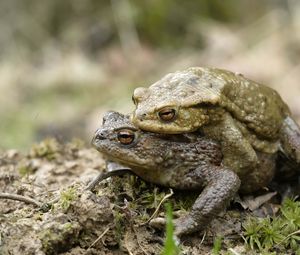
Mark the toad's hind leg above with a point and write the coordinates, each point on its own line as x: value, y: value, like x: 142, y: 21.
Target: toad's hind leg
x: 261, y: 176
x: 290, y: 139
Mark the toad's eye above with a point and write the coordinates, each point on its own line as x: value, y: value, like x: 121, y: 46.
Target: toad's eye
x: 126, y: 136
x: 167, y: 114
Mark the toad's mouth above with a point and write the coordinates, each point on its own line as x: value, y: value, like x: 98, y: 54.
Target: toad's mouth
x: 128, y: 159
x: 163, y: 128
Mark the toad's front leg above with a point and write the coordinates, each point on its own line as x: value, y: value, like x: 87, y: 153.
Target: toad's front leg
x: 221, y: 185
x: 238, y: 153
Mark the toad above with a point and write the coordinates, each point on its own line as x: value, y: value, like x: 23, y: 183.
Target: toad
x: 187, y: 162
x: 244, y: 116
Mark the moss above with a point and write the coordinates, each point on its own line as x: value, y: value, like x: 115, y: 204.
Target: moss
x: 49, y: 149
x: 119, y: 225
x: 76, y: 144
x: 59, y: 237
x: 66, y: 198
x: 279, y: 233
x: 26, y: 169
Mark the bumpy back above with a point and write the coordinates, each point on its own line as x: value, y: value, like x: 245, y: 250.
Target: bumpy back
x: 257, y: 106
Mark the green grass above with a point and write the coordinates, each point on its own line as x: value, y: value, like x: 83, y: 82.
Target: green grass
x: 281, y: 233
x: 170, y: 247
x: 217, y: 245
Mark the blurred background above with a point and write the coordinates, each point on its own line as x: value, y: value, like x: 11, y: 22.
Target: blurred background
x: 64, y: 63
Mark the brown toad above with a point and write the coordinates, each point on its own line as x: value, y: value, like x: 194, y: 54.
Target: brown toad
x: 182, y: 162
x: 241, y: 114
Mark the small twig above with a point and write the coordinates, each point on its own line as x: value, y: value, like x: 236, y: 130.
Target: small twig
x: 104, y: 232
x: 287, y: 237
x: 53, y: 201
x: 233, y: 251
x: 128, y: 250
x: 138, y: 242
x: 126, y: 243
x: 203, y: 237
x: 24, y: 199
x: 243, y: 238
x: 158, y: 207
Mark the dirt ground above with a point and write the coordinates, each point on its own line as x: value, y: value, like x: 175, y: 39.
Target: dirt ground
x: 111, y: 220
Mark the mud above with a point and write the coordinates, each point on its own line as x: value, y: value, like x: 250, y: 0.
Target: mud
x: 110, y: 220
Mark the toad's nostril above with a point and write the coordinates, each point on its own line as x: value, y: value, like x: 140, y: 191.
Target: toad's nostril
x: 142, y: 116
x: 138, y: 116
x: 100, y: 136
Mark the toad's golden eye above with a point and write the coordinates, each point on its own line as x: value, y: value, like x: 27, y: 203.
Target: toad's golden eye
x: 167, y: 114
x: 126, y: 136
